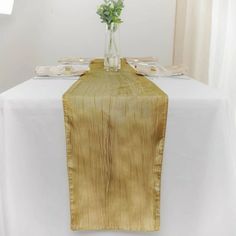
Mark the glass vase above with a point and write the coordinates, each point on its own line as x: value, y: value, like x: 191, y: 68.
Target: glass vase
x: 112, y: 60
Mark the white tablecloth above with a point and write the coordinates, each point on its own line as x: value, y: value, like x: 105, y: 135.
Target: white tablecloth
x: 198, y: 183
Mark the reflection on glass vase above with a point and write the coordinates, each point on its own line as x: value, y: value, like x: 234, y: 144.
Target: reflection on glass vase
x: 112, y: 60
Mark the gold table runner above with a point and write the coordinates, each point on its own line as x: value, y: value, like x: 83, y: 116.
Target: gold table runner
x: 115, y: 127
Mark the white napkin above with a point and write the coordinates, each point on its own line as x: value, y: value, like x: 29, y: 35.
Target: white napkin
x: 158, y: 70
x: 60, y: 70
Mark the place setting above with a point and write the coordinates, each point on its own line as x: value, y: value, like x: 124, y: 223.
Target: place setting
x: 67, y: 68
x: 72, y: 68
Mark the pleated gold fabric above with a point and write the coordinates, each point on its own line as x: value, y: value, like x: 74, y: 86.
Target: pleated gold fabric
x: 115, y: 128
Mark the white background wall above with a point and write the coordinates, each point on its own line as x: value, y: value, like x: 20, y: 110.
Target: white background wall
x: 39, y: 32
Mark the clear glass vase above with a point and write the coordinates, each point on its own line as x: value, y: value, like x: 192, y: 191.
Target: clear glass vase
x: 112, y: 60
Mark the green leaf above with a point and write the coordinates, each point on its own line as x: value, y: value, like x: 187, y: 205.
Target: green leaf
x: 110, y: 11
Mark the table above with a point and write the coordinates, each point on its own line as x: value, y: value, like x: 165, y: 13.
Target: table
x: 198, y: 182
